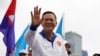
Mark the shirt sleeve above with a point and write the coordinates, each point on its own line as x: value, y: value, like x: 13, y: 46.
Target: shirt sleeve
x: 30, y: 35
x: 64, y: 51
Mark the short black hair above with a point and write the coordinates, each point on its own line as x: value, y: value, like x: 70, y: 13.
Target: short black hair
x: 22, y: 53
x: 67, y: 45
x: 49, y: 12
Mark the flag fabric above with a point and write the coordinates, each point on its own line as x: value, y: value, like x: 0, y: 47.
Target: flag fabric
x: 7, y: 28
x: 21, y: 43
x: 59, y: 29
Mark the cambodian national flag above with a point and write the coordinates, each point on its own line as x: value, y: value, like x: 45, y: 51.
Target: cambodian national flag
x: 7, y: 28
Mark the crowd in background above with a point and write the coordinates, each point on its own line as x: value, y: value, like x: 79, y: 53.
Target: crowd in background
x: 28, y: 52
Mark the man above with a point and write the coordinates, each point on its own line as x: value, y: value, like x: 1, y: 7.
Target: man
x: 46, y: 43
x: 23, y: 53
x: 67, y: 45
x: 29, y: 51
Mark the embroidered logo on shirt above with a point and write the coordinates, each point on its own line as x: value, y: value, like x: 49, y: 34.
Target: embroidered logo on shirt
x: 58, y: 43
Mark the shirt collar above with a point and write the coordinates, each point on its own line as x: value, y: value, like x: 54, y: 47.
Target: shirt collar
x: 44, y: 36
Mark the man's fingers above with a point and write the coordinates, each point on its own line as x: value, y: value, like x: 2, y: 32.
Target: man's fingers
x: 31, y: 16
x: 34, y: 10
x: 39, y: 11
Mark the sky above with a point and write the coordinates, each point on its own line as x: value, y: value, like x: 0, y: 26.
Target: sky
x: 80, y: 16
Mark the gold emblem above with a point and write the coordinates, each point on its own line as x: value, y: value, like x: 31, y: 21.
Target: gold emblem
x: 58, y: 43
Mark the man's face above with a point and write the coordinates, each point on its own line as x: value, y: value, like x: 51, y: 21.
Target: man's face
x: 49, y: 22
x: 67, y: 47
x: 30, y: 53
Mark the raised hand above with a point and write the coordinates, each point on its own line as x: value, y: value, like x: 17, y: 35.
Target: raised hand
x: 35, y: 18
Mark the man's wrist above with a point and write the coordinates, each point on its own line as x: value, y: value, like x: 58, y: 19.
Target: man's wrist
x: 33, y: 27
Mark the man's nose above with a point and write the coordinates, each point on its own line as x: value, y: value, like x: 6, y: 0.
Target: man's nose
x: 49, y: 21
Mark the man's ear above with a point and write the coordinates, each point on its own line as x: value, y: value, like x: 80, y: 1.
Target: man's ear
x: 56, y: 23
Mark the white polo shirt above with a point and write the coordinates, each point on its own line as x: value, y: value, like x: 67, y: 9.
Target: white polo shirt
x: 41, y: 46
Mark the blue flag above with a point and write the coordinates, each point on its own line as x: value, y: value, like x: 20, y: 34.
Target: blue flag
x: 59, y: 29
x: 7, y: 28
x: 21, y: 43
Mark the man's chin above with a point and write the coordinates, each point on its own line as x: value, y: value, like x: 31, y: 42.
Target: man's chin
x: 49, y: 29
